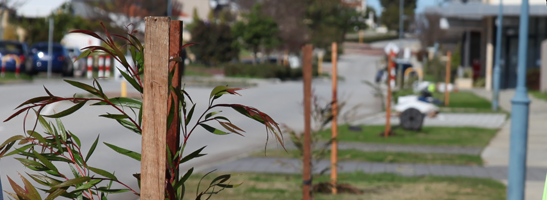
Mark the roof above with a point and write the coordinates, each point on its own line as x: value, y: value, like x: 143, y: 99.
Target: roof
x: 480, y: 10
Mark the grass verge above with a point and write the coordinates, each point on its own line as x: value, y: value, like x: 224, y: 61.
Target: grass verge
x: 434, y: 136
x: 373, y: 186
x: 387, y: 157
x: 10, y: 77
x: 539, y: 95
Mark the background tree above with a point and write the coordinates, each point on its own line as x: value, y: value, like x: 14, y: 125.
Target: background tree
x: 290, y: 16
x: 390, y: 14
x: 6, y: 5
x: 64, y: 22
x: 258, y: 31
x: 329, y: 20
x: 215, y: 42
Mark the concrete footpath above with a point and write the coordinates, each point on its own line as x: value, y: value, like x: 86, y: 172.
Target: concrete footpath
x: 496, y: 154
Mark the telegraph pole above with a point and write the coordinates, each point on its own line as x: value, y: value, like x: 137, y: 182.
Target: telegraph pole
x: 497, y: 71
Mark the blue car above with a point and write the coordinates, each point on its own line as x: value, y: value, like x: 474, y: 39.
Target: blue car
x: 60, y: 62
x: 13, y: 54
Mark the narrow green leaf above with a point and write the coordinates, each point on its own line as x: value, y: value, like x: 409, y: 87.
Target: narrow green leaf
x: 184, y: 178
x: 103, y: 173
x: 76, y: 139
x: 34, y: 100
x: 84, y: 54
x: 12, y: 139
x: 67, y: 111
x: 58, y: 192
x: 193, y: 155
x: 171, y: 114
x: 112, y: 191
x: 45, y: 161
x: 19, y: 150
x: 36, y: 136
x: 44, y: 124
x: 71, y: 182
x: 131, y: 81
x: 190, y: 114
x: 48, y: 180
x: 92, y: 149
x: 122, y: 101
x: 213, y: 130
x: 211, y: 114
x: 114, y: 116
x: 129, y: 125
x: 31, y: 190
x: 57, y: 140
x: 89, y: 184
x: 220, y: 179
x: 18, y: 189
x: 84, y: 86
x: 132, y: 154
x: 217, y: 90
x: 28, y: 162
x: 61, y: 129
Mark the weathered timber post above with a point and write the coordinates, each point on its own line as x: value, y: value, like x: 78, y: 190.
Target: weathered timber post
x: 307, y: 75
x: 334, y: 149
x: 155, y: 111
x: 173, y: 133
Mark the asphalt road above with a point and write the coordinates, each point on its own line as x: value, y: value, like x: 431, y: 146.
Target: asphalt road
x: 280, y: 100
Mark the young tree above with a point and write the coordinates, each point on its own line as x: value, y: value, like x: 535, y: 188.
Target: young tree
x: 259, y: 30
x: 390, y: 15
x: 220, y: 42
x: 329, y: 20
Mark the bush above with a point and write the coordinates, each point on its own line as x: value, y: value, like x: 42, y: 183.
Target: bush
x: 265, y: 71
x: 375, y: 38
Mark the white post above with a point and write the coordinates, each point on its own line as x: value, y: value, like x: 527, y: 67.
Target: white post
x: 101, y: 65
x: 89, y: 67
x: 50, y: 47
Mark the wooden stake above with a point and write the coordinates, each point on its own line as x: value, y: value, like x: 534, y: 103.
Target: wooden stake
x: 154, y: 123
x: 173, y: 133
x: 334, y: 127
x: 446, y: 93
x: 307, y: 75
x: 388, y: 105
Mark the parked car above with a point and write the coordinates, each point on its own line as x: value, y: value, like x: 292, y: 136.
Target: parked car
x: 79, y: 65
x: 61, y: 62
x: 13, y: 53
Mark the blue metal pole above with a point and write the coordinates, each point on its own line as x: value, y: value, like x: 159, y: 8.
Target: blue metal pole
x: 1, y: 190
x: 497, y: 71
x: 519, y: 116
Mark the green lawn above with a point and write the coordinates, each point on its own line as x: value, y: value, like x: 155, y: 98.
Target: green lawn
x: 388, y: 157
x: 435, y: 136
x: 539, y: 95
x: 10, y: 77
x: 372, y: 186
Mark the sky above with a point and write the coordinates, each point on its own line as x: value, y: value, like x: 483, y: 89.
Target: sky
x: 419, y: 8
x: 43, y: 7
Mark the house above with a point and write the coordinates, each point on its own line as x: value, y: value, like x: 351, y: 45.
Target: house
x: 473, y: 24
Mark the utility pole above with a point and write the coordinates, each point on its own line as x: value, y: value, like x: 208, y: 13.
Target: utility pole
x: 497, y: 71
x: 519, y: 116
x: 169, y: 8
x: 50, y: 47
x: 401, y: 28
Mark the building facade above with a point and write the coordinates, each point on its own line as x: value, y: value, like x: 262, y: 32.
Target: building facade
x: 476, y: 24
